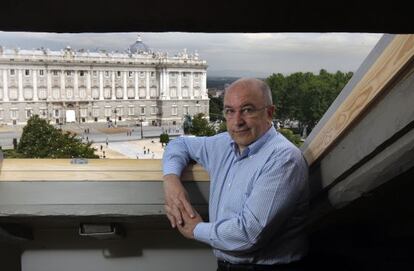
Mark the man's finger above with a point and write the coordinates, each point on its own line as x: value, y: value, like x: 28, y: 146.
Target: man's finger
x: 189, y: 209
x: 177, y: 214
x: 170, y: 217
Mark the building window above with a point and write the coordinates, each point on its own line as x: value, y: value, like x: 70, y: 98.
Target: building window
x: 153, y: 91
x: 130, y: 74
x: 95, y: 112
x: 68, y: 73
x: 107, y: 111
x: 95, y: 93
x: 27, y: 72
x: 14, y: 113
x: 142, y: 110
x: 42, y: 93
x: 131, y: 111
x: 185, y: 110
x: 152, y: 74
x: 82, y: 73
x: 154, y: 110
x: 28, y: 113
x: 41, y: 72
x: 142, y: 74
x: 106, y: 73
x: 174, y: 110
x: 95, y: 73
x: 131, y: 93
x: 185, y: 92
x: 119, y: 111
x: 118, y: 73
x: 56, y: 113
x: 55, y: 73
x: 12, y: 72
x: 43, y: 113
x: 84, y: 112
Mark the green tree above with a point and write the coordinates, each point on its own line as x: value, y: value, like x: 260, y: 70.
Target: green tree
x: 305, y: 97
x: 216, y: 108
x: 201, y: 126
x: 187, y: 123
x: 41, y: 140
x: 164, y: 139
x: 294, y: 138
x: 222, y: 127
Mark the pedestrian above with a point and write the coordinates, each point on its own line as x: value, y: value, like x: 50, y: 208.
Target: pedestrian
x: 259, y: 191
x: 101, y: 147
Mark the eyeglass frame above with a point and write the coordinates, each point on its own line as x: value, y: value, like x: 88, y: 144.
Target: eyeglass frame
x: 245, y: 115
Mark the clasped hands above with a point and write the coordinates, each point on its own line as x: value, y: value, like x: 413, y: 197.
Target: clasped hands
x: 177, y: 206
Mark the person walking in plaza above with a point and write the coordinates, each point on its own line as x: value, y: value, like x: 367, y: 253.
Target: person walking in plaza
x: 259, y: 188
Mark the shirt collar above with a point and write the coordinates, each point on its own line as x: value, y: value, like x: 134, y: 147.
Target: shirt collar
x: 254, y: 147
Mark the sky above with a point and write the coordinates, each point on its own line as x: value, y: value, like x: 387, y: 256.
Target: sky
x: 228, y: 54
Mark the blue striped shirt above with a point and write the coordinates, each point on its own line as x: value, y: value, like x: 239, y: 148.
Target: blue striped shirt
x: 258, y: 199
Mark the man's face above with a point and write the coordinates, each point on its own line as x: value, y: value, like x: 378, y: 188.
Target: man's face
x: 248, y: 116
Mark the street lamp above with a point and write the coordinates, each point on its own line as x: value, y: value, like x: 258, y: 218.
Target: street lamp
x: 115, y: 116
x: 142, y: 133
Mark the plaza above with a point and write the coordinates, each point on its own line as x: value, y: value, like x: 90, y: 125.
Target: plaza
x: 110, y: 142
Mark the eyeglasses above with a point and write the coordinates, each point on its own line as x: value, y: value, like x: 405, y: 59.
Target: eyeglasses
x: 246, y: 112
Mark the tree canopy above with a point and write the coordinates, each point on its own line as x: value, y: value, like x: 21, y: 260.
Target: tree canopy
x: 201, y: 127
x: 41, y: 140
x: 305, y: 97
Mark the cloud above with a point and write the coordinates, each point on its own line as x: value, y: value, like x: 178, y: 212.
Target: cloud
x: 257, y: 53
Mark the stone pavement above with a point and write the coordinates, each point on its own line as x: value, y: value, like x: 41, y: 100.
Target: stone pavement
x: 100, y: 133
x: 136, y: 149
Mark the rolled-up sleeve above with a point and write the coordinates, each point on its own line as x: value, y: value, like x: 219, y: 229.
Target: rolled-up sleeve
x: 181, y: 150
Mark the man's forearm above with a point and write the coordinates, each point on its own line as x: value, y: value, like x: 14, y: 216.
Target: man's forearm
x: 176, y: 200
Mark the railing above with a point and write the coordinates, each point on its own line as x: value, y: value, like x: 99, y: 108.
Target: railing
x: 94, y: 170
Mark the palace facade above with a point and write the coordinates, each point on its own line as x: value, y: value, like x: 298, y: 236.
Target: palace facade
x: 81, y: 86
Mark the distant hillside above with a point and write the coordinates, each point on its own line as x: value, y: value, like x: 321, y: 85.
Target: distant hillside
x: 219, y: 82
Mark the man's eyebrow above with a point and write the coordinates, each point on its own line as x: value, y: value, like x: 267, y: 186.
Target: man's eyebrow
x: 244, y: 105
x: 249, y: 104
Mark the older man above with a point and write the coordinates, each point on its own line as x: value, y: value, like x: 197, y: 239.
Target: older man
x: 258, y: 187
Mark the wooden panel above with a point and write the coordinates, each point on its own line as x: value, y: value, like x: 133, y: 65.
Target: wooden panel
x: 95, y: 170
x: 388, y: 66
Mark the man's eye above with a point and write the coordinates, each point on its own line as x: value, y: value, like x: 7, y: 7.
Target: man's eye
x: 247, y: 110
x: 229, y: 111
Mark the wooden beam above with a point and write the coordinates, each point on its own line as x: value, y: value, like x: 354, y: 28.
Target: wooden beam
x: 389, y: 65
x: 94, y: 170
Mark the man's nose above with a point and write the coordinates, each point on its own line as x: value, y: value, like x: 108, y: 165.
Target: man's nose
x: 238, y: 118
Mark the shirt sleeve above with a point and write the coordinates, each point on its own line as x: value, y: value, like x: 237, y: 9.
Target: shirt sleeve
x: 274, y: 197
x: 181, y: 150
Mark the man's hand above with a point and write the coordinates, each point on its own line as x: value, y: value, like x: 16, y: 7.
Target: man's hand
x: 187, y: 228
x: 176, y: 200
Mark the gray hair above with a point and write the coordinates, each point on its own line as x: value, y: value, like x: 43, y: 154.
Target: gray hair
x: 254, y: 83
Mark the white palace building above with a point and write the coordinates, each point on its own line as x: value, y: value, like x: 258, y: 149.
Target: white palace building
x: 82, y: 86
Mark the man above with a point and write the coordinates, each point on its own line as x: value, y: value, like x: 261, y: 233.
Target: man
x: 258, y: 186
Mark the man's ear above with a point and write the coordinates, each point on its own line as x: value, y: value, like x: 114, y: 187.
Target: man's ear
x: 270, y: 111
